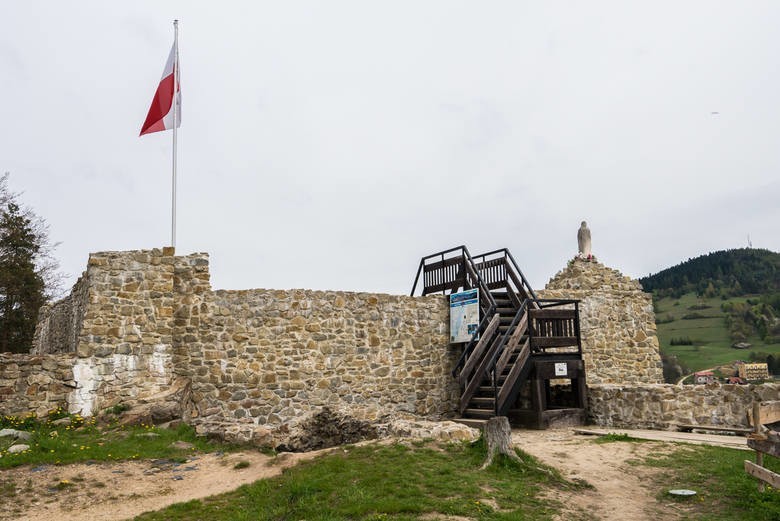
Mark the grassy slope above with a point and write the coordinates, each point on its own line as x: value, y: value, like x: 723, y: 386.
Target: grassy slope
x: 711, y: 343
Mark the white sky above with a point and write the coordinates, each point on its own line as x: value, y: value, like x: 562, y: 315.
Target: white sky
x: 330, y: 145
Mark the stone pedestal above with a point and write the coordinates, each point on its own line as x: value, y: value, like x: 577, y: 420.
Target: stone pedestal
x: 617, y: 323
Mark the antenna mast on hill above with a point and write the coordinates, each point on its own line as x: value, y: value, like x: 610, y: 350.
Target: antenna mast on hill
x: 750, y: 244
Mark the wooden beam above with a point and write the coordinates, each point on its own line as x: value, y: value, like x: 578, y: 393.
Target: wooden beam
x: 478, y: 352
x: 555, y: 341
x: 768, y: 412
x: 766, y: 446
x: 765, y: 475
x: 553, y: 313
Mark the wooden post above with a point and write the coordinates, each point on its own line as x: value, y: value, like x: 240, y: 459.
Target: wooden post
x: 757, y: 431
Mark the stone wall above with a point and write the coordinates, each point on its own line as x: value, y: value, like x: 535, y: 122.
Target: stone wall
x: 34, y: 384
x: 121, y: 315
x: 266, y: 357
x: 59, y: 324
x: 276, y: 357
x: 664, y: 406
x: 617, y: 323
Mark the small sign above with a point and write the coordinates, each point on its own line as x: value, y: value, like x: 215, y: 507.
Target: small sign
x: 464, y: 315
x: 560, y: 369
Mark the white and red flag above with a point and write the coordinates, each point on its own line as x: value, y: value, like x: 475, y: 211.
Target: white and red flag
x: 161, y: 113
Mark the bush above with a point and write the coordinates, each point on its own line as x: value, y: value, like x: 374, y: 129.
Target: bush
x: 682, y: 341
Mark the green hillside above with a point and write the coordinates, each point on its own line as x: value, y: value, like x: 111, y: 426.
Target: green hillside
x: 743, y: 271
x: 694, y: 330
x: 707, y: 304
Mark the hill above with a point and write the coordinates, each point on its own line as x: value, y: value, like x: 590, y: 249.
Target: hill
x: 695, y: 333
x: 705, y: 305
x: 738, y: 272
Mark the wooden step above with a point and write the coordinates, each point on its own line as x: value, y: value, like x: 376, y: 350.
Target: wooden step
x: 482, y: 402
x: 484, y: 414
x: 475, y: 423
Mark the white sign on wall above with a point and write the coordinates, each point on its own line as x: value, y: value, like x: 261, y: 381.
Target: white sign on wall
x: 464, y: 315
x: 560, y: 369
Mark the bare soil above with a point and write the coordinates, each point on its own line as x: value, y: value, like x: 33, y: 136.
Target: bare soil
x: 621, y: 487
x: 123, y: 490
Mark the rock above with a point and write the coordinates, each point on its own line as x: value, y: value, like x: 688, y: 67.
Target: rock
x: 182, y: 445
x: 148, y: 435
x: 62, y: 421
x: 327, y: 429
x: 741, y: 345
x: 16, y: 449
x: 439, y: 431
x: 19, y: 435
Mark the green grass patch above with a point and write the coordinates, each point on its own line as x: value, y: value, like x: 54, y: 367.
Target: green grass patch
x: 710, y: 340
x: 84, y: 440
x: 724, y: 490
x: 392, y: 482
x: 613, y: 437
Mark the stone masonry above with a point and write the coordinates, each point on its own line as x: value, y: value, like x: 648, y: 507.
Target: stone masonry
x: 617, y: 323
x: 148, y: 321
x: 666, y: 406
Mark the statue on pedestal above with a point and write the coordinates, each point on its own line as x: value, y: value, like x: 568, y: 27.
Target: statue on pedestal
x: 583, y: 241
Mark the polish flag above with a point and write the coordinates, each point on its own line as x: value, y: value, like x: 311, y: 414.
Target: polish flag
x: 160, y: 115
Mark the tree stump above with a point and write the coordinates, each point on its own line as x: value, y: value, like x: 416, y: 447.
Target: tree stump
x: 498, y: 437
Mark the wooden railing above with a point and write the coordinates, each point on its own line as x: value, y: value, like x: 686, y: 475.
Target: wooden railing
x: 553, y: 326
x: 452, y: 270
x: 764, y: 413
x: 500, y: 271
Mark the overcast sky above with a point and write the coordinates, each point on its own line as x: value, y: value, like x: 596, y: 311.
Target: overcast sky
x: 330, y: 145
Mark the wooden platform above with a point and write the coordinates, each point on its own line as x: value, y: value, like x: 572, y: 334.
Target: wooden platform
x: 732, y: 442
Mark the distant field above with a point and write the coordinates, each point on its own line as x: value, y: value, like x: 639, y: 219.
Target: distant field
x: 711, y: 343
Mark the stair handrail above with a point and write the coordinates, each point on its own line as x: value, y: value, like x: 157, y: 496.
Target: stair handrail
x: 522, y: 277
x: 512, y: 264
x: 508, y: 333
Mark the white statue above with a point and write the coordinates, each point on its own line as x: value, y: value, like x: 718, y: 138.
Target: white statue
x: 583, y: 240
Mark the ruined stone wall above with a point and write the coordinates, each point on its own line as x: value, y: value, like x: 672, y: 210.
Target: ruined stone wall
x: 267, y: 357
x: 617, y: 323
x: 34, y: 384
x: 59, y: 324
x: 118, y: 322
x: 664, y: 406
x: 276, y: 357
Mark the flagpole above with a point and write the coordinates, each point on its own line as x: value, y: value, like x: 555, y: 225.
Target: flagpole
x: 175, y: 125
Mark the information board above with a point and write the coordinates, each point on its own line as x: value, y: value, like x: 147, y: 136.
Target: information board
x: 464, y: 315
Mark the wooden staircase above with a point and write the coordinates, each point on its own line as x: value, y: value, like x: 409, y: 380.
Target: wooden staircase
x: 517, y: 333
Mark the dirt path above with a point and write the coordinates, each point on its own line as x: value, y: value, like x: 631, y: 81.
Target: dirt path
x: 621, y: 490
x: 124, y: 490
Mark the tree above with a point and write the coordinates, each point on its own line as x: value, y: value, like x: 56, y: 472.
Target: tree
x: 28, y: 272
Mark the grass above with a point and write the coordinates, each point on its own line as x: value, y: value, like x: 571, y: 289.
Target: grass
x: 84, y: 440
x: 724, y: 490
x: 711, y: 343
x: 388, y: 482
x: 613, y: 437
